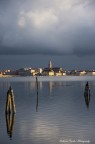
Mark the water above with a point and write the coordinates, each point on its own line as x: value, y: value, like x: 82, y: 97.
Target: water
x: 58, y: 114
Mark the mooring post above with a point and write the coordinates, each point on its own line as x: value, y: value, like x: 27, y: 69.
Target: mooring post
x: 37, y: 94
x: 37, y: 82
x: 10, y: 103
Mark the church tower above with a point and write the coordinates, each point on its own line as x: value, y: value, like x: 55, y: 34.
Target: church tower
x: 50, y: 65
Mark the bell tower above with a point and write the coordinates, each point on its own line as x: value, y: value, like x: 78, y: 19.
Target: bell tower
x: 50, y: 65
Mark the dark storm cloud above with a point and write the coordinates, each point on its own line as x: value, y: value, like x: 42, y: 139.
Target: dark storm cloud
x: 47, y: 27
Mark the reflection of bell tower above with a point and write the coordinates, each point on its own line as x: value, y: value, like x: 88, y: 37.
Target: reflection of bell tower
x: 50, y: 65
x: 50, y: 87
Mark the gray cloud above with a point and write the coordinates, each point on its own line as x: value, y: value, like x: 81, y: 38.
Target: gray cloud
x: 56, y: 27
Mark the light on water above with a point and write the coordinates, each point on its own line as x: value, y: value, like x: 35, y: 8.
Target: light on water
x: 58, y: 111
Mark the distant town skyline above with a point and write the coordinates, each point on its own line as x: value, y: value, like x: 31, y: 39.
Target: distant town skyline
x: 32, y: 32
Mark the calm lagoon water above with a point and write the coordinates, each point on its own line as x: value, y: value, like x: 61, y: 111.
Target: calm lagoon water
x: 59, y: 113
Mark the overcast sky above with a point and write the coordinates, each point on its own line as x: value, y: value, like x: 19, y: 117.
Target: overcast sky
x: 63, y: 28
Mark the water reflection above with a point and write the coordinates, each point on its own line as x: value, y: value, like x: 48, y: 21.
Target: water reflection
x: 53, y: 84
x: 50, y: 87
x: 37, y: 101
x: 40, y: 85
x: 42, y: 119
x: 30, y: 86
x: 87, y: 94
x: 10, y: 118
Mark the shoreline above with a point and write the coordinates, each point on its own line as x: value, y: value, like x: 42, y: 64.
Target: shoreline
x: 5, y: 76
x: 46, y: 78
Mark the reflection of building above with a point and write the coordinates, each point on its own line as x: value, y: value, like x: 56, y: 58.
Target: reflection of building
x: 10, y: 123
x: 50, y: 86
x: 40, y: 85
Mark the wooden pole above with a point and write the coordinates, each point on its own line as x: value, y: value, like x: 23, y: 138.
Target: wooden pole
x: 37, y: 94
x: 37, y: 83
x: 10, y: 103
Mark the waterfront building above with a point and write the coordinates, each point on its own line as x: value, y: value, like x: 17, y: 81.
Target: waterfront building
x: 9, y: 72
x: 51, y: 71
x: 0, y: 74
x: 26, y: 72
x: 57, y: 71
x: 39, y: 70
x: 93, y: 72
x: 73, y: 72
x: 48, y: 72
x: 64, y: 73
x: 82, y: 72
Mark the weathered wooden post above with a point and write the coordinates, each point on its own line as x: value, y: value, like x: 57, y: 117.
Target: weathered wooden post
x: 10, y: 103
x: 37, y: 94
x: 37, y: 82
